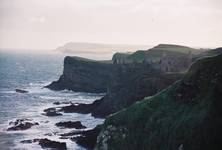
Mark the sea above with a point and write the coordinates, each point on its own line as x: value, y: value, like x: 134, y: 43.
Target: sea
x: 32, y: 72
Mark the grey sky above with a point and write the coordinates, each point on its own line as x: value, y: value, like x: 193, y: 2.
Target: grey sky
x: 51, y: 23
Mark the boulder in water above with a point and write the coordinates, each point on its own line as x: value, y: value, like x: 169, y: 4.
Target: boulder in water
x: 46, y: 143
x: 21, y: 124
x: 88, y: 138
x: 51, y: 112
x: 70, y: 124
x: 21, y: 91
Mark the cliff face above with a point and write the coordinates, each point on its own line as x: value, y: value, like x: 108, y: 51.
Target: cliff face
x: 86, y: 75
x: 185, y: 116
x: 125, y: 83
x: 130, y: 83
x: 83, y: 75
x: 167, y: 58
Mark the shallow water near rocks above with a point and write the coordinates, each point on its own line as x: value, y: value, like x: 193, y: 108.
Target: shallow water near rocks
x: 31, y: 73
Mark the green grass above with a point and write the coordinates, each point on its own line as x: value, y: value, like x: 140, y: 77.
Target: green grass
x: 156, y: 53
x: 89, y: 60
x: 167, y: 121
x: 176, y: 48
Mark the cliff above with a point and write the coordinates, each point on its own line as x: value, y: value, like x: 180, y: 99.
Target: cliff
x: 83, y: 75
x: 155, y: 53
x: 185, y: 116
x: 130, y: 83
x: 124, y: 83
x: 212, y: 52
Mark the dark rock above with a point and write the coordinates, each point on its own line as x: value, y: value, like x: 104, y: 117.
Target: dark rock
x: 21, y: 124
x: 51, y: 112
x: 21, y: 91
x: 59, y: 103
x: 18, y: 121
x: 56, y: 103
x: 46, y: 143
x: 88, y: 138
x: 29, y: 141
x: 70, y: 124
x: 26, y: 141
x: 81, y: 108
x: 63, y: 137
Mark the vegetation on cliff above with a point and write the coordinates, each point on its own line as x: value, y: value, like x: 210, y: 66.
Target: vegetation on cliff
x: 155, y: 53
x: 130, y: 83
x: 185, y: 116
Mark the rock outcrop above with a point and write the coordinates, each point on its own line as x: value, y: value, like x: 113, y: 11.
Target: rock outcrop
x: 83, y: 75
x: 21, y: 91
x: 47, y: 144
x: 51, y: 112
x: 22, y: 124
x: 81, y: 108
x: 71, y: 124
x: 185, y: 116
x: 88, y: 138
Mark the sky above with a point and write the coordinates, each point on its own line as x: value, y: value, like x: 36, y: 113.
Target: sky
x: 47, y: 24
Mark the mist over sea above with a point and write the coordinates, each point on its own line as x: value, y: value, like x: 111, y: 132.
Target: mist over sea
x: 32, y: 72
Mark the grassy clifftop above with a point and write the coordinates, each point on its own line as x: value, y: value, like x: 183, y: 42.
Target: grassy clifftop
x: 81, y: 59
x: 185, y: 116
x: 156, y: 53
x: 176, y: 48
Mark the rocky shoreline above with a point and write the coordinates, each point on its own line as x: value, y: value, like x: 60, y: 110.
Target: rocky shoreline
x: 126, y: 80
x: 82, y: 135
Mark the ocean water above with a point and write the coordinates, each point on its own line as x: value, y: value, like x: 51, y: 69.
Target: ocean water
x: 32, y: 72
